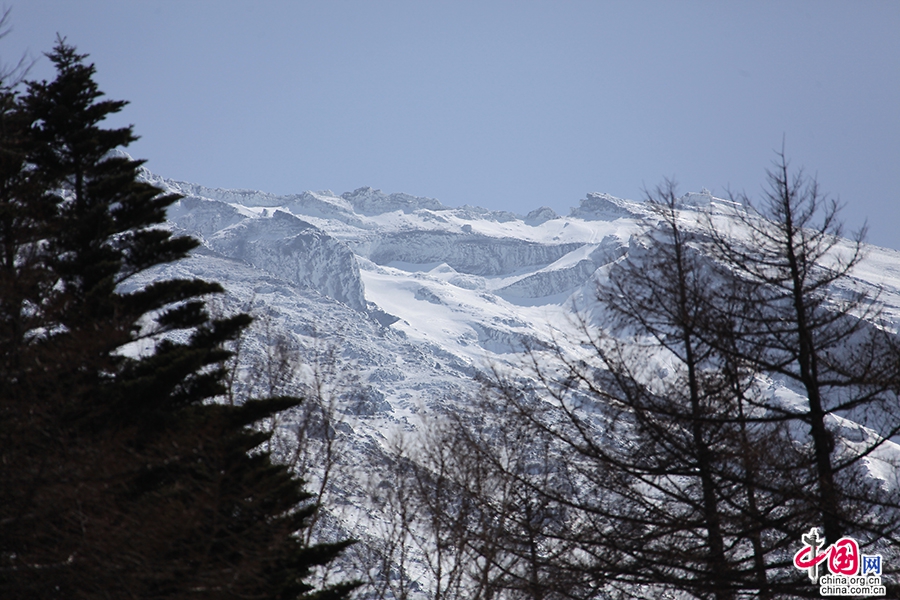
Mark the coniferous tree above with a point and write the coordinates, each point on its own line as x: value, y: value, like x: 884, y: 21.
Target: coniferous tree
x: 121, y: 474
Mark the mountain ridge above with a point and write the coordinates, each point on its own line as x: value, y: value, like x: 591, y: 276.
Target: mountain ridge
x: 419, y: 300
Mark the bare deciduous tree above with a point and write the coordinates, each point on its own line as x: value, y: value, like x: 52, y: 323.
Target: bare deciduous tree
x: 808, y: 325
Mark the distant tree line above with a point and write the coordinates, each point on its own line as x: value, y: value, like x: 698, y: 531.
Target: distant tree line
x: 126, y: 469
x: 661, y: 462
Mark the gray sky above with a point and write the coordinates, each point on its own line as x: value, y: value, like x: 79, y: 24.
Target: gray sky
x: 506, y: 105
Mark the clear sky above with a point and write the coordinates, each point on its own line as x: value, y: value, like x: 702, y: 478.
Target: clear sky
x: 503, y: 104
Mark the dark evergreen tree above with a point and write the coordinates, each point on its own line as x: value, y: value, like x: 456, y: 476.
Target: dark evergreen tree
x: 121, y: 474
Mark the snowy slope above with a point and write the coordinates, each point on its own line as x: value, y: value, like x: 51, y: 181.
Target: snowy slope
x: 418, y: 297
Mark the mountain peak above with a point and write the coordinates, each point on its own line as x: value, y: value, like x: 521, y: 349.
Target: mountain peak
x: 368, y: 201
x: 603, y: 207
x: 541, y: 215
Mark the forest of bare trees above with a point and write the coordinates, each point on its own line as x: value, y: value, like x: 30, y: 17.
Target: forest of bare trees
x: 659, y: 461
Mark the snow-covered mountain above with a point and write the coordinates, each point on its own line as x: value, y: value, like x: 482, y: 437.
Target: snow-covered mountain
x: 466, y: 283
x: 415, y: 296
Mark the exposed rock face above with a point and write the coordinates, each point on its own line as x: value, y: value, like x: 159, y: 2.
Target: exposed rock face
x: 550, y: 281
x: 466, y: 253
x: 540, y: 215
x: 603, y: 207
x: 367, y: 201
x: 203, y: 216
x: 294, y: 251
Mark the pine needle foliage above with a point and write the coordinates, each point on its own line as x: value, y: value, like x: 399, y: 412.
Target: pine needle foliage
x: 121, y: 474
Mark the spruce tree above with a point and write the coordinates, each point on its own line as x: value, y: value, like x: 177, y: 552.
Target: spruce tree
x: 121, y: 474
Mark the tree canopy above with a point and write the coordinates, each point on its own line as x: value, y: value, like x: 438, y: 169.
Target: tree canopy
x: 122, y: 474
